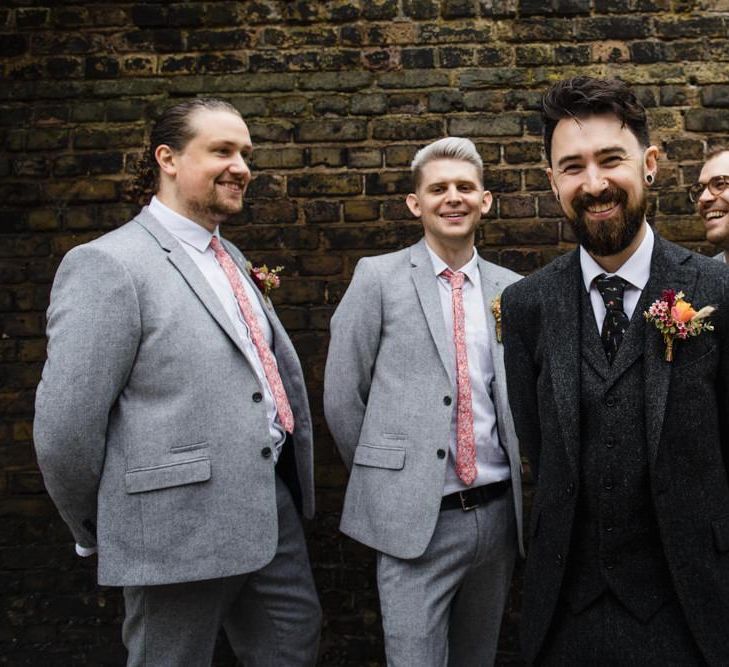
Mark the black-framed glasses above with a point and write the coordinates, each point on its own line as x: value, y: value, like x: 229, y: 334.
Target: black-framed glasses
x: 716, y: 186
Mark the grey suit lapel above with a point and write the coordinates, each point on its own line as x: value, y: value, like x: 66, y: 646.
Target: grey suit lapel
x: 273, y: 320
x: 426, y: 286
x: 179, y: 258
x: 561, y: 303
x: 669, y: 270
x: 491, y: 289
x: 287, y: 360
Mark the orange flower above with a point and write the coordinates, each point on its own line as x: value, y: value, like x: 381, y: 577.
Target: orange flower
x: 682, y: 311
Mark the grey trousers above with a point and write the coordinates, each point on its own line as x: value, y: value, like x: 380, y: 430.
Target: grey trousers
x: 271, y: 617
x: 445, y: 607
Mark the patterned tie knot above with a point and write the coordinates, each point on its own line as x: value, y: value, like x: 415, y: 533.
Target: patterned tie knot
x: 216, y: 245
x: 456, y: 278
x: 612, y: 289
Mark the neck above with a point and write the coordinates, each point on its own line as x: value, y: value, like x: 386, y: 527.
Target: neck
x: 611, y: 263
x: 173, y: 204
x: 455, y: 256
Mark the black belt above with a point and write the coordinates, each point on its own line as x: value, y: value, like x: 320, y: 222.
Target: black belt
x: 472, y: 498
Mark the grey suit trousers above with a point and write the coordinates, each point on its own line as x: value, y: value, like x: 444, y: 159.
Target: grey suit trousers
x: 445, y: 607
x: 271, y: 617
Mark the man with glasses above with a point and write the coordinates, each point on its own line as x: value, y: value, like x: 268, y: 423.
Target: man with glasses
x: 711, y: 196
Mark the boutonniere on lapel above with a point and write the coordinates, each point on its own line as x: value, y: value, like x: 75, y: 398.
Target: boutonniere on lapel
x: 675, y: 318
x: 496, y: 311
x: 265, y: 279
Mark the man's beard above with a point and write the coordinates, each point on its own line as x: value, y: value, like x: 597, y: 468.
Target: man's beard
x: 215, y: 208
x: 612, y: 235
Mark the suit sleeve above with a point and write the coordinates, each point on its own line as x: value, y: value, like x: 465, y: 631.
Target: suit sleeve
x: 93, y: 331
x: 355, y: 339
x: 521, y: 378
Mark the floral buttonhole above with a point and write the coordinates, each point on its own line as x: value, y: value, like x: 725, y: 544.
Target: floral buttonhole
x: 675, y: 318
x: 265, y: 279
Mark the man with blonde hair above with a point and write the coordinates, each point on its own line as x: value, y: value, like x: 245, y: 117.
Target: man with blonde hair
x: 415, y: 397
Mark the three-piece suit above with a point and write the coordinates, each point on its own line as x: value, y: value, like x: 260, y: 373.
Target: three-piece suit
x: 630, y: 462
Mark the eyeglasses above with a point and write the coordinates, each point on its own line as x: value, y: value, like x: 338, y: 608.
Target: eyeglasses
x: 716, y: 186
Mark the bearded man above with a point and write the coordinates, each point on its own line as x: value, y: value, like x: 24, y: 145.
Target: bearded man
x: 172, y: 423
x: 628, y: 440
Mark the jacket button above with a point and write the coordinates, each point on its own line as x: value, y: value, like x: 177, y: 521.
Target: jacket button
x: 266, y: 452
x: 607, y: 483
x: 570, y: 489
x: 610, y: 401
x: 441, y: 453
x: 559, y: 560
x: 257, y: 397
x: 610, y: 442
x: 447, y: 400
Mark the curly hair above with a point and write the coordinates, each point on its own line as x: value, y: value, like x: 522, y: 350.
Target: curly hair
x: 583, y: 96
x: 172, y: 129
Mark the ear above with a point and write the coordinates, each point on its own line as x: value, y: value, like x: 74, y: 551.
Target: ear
x: 650, y: 161
x: 486, y: 202
x: 165, y: 157
x: 552, y: 184
x: 413, y: 204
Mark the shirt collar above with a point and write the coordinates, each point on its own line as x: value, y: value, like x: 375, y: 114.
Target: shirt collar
x: 470, y: 268
x: 636, y: 270
x: 180, y: 227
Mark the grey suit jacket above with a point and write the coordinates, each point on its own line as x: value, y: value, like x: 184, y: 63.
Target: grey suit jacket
x: 148, y: 432
x: 389, y: 379
x: 686, y: 425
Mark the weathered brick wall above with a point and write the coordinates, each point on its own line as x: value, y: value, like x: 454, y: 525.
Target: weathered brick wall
x: 338, y: 96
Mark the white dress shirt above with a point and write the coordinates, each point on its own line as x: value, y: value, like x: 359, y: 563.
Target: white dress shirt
x: 492, y: 463
x: 635, y: 272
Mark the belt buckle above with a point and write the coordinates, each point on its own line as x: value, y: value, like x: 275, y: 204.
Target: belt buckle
x: 464, y: 506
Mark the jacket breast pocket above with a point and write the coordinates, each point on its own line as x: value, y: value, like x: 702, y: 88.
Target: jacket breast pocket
x: 167, y: 475
x: 374, y: 456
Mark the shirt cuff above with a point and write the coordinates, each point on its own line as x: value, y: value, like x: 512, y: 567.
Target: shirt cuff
x: 85, y: 552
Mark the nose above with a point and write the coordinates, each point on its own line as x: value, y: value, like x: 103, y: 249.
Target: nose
x: 240, y: 167
x: 453, y: 194
x: 595, y: 182
x: 705, y: 196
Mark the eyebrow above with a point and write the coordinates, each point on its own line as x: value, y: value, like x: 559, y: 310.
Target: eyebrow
x: 247, y: 148
x: 602, y: 152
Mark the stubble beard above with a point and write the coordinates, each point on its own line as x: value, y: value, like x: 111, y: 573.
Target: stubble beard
x: 613, y: 235
x: 214, y: 208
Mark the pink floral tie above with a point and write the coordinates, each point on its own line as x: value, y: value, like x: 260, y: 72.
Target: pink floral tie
x: 465, y: 439
x: 264, y: 352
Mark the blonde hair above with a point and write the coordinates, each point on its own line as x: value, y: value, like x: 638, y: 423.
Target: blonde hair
x: 450, y: 148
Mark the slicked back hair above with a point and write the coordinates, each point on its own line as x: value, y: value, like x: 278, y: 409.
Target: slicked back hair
x: 584, y: 96
x: 450, y: 148
x: 174, y: 129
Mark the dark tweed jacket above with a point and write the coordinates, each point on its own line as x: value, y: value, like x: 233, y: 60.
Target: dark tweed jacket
x: 686, y: 422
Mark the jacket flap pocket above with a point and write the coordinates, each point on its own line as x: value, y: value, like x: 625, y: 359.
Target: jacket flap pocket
x: 721, y: 533
x: 380, y: 457
x: 165, y: 476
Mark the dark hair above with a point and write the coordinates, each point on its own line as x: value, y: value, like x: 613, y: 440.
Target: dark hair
x: 717, y: 150
x: 583, y: 96
x: 172, y: 129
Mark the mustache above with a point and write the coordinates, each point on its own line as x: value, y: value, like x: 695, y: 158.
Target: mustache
x: 612, y: 194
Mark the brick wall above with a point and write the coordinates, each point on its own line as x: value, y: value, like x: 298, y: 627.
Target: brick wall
x: 338, y: 96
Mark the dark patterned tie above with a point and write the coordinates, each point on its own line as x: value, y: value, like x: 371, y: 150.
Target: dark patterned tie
x: 616, y: 321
